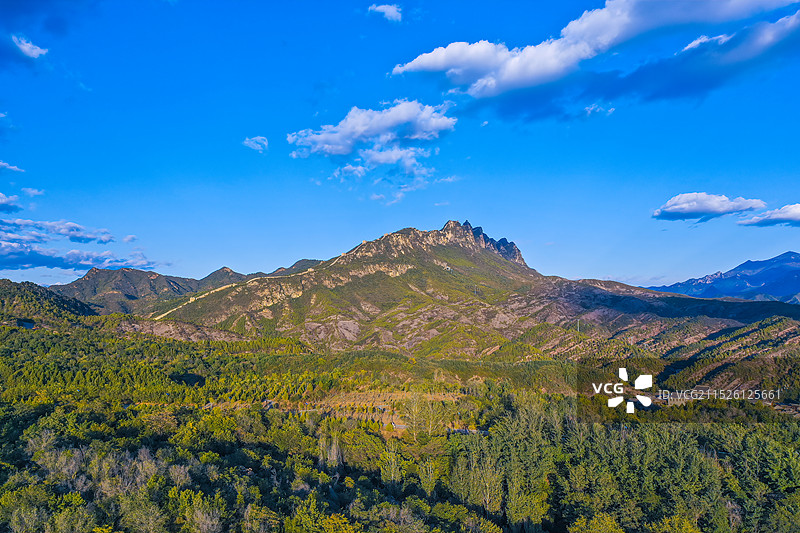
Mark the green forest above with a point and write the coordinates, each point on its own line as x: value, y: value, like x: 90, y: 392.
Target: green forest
x: 107, y: 433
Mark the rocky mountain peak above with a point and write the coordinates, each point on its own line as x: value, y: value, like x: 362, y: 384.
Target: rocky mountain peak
x: 453, y: 233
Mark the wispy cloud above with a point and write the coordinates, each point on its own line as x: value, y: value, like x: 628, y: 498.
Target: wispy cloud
x: 7, y: 166
x: 788, y: 215
x: 719, y: 39
x: 391, y: 12
x: 702, y: 206
x: 44, y: 231
x: 27, y: 47
x: 26, y: 244
x: 20, y: 256
x: 32, y: 192
x: 130, y: 238
x: 256, y: 143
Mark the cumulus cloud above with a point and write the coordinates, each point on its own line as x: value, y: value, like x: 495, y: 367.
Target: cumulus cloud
x: 394, y: 138
x: 32, y: 192
x: 702, y: 206
x: 130, y: 238
x: 7, y: 166
x: 691, y: 73
x: 489, y: 69
x: 27, y: 47
x: 8, y: 204
x: 347, y: 170
x: 256, y: 143
x: 20, y: 256
x: 788, y: 215
x: 391, y: 12
x: 42, y: 231
x: 405, y: 120
x: 710, y: 63
x: 406, y: 158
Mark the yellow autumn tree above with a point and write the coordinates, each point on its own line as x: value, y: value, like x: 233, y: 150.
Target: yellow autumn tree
x: 337, y: 523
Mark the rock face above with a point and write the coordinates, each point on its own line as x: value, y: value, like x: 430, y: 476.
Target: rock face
x: 774, y: 279
x: 452, y: 234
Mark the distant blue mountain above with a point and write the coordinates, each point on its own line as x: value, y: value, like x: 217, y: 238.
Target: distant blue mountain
x: 774, y: 279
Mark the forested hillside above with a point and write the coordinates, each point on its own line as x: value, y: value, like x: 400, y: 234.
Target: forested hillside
x: 422, y: 382
x: 142, y: 434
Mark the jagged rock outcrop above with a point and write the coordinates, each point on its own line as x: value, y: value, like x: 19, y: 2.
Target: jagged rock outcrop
x: 453, y: 233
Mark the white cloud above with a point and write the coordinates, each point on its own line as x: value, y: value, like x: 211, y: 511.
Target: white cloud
x: 256, y: 143
x: 22, y: 256
x: 719, y: 39
x: 27, y: 47
x: 596, y: 108
x: 390, y: 11
x: 350, y: 170
x: 130, y: 238
x: 405, y: 158
x: 395, y: 139
x: 409, y: 120
x: 490, y: 69
x: 703, y: 206
x: 4, y: 165
x: 787, y: 215
x: 32, y: 192
x: 8, y: 204
x: 45, y: 230
x: 377, y: 197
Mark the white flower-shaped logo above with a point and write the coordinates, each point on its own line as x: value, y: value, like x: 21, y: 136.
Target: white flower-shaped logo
x: 645, y: 381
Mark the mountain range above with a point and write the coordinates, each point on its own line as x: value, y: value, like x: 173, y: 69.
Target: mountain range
x: 453, y: 292
x: 128, y: 290
x: 775, y: 279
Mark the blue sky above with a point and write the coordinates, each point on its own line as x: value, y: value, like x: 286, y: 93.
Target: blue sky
x: 640, y: 140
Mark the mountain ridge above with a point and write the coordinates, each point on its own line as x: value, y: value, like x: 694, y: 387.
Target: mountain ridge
x: 448, y: 292
x: 777, y: 279
x: 130, y: 290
